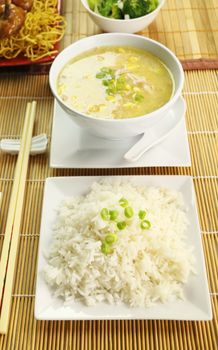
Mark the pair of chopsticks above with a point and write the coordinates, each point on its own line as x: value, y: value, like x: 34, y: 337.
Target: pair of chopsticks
x: 11, y: 237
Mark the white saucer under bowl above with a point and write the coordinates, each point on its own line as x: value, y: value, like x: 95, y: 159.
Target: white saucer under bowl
x: 72, y: 147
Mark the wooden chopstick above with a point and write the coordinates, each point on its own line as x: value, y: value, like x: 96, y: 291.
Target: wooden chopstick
x: 12, y: 205
x: 11, y: 239
x: 0, y: 199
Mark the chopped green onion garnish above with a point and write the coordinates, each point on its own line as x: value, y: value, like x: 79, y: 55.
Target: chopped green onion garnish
x: 111, y: 91
x: 128, y: 212
x: 100, y: 75
x: 106, y: 82
x: 145, y: 225
x: 121, y: 79
x: 121, y: 225
x: 106, y: 73
x: 113, y: 214
x: 123, y: 202
x: 107, y: 70
x: 120, y: 85
x: 141, y: 214
x: 111, y: 238
x: 105, y: 248
x: 105, y: 214
x: 138, y: 97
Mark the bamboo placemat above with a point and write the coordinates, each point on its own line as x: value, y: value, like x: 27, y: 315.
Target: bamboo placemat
x: 188, y: 27
x: 201, y: 94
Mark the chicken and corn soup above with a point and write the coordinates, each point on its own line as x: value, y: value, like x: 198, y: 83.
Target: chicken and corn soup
x: 115, y: 83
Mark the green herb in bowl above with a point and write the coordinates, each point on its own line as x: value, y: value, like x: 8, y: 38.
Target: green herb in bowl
x: 123, y: 9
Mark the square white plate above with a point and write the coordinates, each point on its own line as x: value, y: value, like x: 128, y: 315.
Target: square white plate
x: 197, y: 305
x: 73, y: 148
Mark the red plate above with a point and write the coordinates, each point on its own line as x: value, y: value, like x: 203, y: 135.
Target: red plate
x: 23, y: 61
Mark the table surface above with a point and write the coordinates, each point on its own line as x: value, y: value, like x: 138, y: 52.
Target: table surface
x: 190, y: 29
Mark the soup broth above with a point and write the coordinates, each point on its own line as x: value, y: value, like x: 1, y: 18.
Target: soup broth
x: 115, y: 83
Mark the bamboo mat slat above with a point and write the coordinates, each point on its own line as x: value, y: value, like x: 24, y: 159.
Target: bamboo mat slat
x: 189, y: 28
x: 14, y: 109
x: 105, y: 335
x: 201, y: 82
x: 20, y: 86
x: 201, y: 112
x: 201, y: 94
x: 210, y: 243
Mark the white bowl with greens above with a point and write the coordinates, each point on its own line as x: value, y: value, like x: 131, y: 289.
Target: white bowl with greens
x: 123, y: 16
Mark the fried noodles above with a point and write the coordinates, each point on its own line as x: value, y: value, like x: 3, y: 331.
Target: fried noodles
x: 43, y: 27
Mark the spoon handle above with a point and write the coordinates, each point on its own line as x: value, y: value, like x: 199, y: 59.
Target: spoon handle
x: 147, y: 141
x: 157, y: 133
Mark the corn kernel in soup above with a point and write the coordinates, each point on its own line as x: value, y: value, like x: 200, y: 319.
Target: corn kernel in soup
x: 115, y: 83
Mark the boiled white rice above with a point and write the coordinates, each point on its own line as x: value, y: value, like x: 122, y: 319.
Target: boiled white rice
x: 145, y: 267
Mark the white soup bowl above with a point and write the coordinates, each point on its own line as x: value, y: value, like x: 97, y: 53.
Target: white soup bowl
x: 118, y: 128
